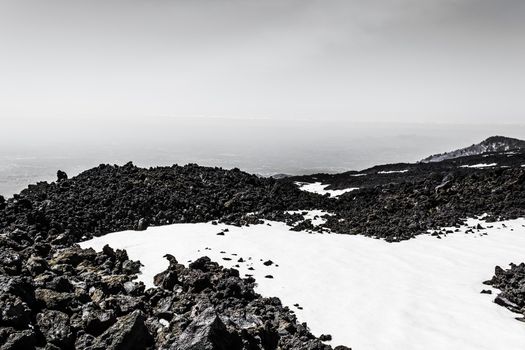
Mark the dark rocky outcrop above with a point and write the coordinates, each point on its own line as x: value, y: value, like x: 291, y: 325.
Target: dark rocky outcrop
x: 112, y: 198
x: 220, y: 310
x: 87, y: 300
x: 398, y: 206
x: 511, y: 282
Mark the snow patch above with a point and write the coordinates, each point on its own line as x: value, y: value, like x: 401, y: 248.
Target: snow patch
x: 316, y: 216
x: 393, y: 171
x: 423, y: 293
x: 319, y: 188
x: 480, y: 165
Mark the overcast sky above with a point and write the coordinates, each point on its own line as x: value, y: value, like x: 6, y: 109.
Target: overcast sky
x: 375, y: 60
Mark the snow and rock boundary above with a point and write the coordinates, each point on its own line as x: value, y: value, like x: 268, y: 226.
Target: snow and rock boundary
x: 47, y: 219
x: 422, y: 291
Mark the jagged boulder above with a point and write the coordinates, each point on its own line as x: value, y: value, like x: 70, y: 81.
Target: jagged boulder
x: 93, y: 320
x: 11, y: 339
x: 207, y: 332
x: 51, y: 299
x: 61, y: 175
x: 14, y: 312
x: 128, y: 333
x: 54, y: 326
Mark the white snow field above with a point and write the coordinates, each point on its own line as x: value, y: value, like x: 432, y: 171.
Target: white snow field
x: 480, y: 165
x: 368, y: 294
x: 393, y: 171
x: 319, y: 188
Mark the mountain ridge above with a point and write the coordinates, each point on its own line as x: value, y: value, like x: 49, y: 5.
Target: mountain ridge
x: 493, y: 144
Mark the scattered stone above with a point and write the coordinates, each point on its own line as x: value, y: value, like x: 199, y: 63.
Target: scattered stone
x: 325, y: 337
x: 142, y: 224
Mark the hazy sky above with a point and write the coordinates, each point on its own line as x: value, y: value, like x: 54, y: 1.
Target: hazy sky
x: 374, y: 60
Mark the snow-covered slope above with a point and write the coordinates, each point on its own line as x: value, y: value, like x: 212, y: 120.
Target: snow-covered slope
x: 319, y: 188
x: 492, y: 144
x: 368, y: 294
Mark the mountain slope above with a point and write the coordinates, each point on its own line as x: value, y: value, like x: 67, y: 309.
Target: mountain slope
x: 492, y: 144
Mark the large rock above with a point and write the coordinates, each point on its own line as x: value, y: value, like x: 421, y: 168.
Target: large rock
x: 166, y: 279
x: 128, y: 333
x: 122, y: 304
x: 94, y: 321
x: 207, y: 332
x: 17, y: 340
x: 54, y: 325
x: 51, y: 299
x: 19, y: 286
x: 14, y: 312
x: 73, y: 256
x: 36, y: 265
x: 11, y: 261
x: 61, y: 175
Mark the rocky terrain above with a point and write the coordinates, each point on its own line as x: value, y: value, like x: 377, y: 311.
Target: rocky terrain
x: 511, y: 282
x: 77, y: 298
x: 55, y: 295
x: 407, y: 172
x: 399, y: 201
x: 403, y: 210
x: 112, y: 198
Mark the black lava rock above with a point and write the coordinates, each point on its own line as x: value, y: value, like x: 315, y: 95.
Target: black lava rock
x: 61, y: 175
x: 511, y: 282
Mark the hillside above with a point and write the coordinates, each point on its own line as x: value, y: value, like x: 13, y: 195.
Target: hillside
x: 494, y: 144
x: 58, y: 295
